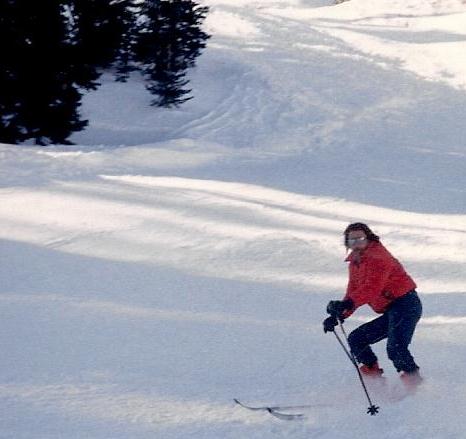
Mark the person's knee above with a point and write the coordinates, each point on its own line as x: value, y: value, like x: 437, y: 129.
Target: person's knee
x: 355, y: 339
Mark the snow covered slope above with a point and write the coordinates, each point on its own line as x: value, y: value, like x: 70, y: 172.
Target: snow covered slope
x: 171, y: 261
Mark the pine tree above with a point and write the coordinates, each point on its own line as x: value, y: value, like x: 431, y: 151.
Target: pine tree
x: 42, y: 76
x: 100, y: 27
x: 168, y: 43
x: 10, y: 130
x: 53, y: 51
x: 125, y: 61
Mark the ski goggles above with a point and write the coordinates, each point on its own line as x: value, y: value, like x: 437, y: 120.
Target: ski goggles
x: 352, y: 241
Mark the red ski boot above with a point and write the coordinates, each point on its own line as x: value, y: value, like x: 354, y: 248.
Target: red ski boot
x: 411, y: 380
x: 373, y: 371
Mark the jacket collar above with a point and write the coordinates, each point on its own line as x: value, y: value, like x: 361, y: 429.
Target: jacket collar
x: 371, y: 245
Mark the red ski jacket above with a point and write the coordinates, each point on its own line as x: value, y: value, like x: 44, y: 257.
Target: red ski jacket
x: 377, y: 280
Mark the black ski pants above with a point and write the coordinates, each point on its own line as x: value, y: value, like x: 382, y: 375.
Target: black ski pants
x: 397, y: 325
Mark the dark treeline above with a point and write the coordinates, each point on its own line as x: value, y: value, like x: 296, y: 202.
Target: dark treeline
x: 53, y: 51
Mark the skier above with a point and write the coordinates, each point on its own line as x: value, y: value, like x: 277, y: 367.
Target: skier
x: 378, y: 279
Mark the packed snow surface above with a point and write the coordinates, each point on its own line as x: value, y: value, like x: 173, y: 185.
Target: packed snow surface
x: 172, y: 260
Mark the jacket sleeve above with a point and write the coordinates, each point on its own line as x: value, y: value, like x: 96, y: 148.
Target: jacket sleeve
x: 349, y: 296
x: 371, y: 286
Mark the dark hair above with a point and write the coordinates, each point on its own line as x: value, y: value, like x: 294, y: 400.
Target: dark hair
x: 371, y: 236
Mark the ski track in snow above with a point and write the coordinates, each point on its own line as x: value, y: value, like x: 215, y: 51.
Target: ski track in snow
x: 174, y: 260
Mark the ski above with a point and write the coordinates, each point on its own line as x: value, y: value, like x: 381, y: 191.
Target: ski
x: 286, y: 416
x: 275, y: 410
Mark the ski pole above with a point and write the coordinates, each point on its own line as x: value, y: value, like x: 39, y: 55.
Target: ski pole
x: 373, y: 409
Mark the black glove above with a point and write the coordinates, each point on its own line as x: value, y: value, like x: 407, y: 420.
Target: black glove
x: 336, y: 308
x: 330, y: 323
